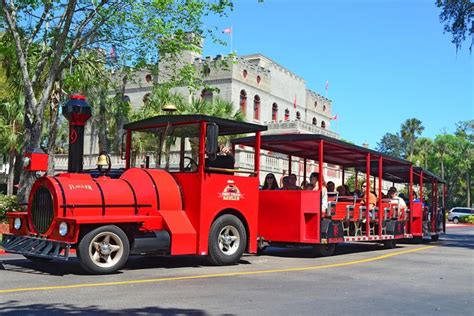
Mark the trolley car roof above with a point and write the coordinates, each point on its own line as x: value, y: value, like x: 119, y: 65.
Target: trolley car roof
x: 338, y: 152
x: 226, y: 127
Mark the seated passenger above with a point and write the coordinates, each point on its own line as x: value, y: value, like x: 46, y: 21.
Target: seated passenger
x: 292, y: 179
x: 314, y: 181
x: 394, y: 198
x: 341, y: 190
x: 270, y: 182
x: 285, y: 183
x: 331, y: 186
x: 372, y: 200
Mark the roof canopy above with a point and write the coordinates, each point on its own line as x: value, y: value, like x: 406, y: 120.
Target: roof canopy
x: 226, y: 127
x: 337, y: 152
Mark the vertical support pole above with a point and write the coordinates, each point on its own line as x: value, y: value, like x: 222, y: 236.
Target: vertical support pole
x: 381, y: 211
x: 367, y: 195
x: 411, y: 198
x: 374, y: 188
x: 128, y: 147
x: 289, y: 165
x: 432, y: 204
x: 258, y: 144
x: 202, y: 148
x: 421, y: 187
x: 321, y: 153
x: 343, y: 176
x: 182, y: 147
x: 304, y: 170
x: 444, y: 207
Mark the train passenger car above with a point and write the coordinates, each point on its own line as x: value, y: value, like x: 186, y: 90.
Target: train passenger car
x: 296, y: 217
x: 191, y: 202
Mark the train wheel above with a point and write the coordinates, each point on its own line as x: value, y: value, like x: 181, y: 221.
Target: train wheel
x: 103, y: 250
x: 227, y: 240
x: 434, y: 237
x: 324, y: 250
x: 390, y: 244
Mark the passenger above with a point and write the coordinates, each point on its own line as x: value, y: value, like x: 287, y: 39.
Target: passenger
x: 372, y: 200
x: 308, y: 186
x: 270, y: 182
x: 285, y: 183
x: 293, y: 186
x: 331, y: 186
x: 314, y: 181
x: 341, y: 190
x: 348, y: 191
x: 394, y: 198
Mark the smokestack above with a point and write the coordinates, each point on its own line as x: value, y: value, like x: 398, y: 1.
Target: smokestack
x: 77, y: 111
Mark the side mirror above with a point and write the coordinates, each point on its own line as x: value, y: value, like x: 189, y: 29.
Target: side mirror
x: 212, y: 132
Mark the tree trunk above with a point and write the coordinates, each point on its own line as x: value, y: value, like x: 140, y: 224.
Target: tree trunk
x: 11, y: 171
x: 120, y: 116
x: 54, y: 115
x: 17, y: 170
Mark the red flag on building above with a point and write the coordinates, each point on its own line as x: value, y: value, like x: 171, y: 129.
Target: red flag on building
x: 294, y: 102
x: 227, y: 30
x: 334, y: 118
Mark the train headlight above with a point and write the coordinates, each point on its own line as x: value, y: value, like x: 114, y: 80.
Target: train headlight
x: 17, y: 223
x: 63, y: 229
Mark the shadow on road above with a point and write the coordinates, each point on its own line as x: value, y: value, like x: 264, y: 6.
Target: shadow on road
x: 14, y: 308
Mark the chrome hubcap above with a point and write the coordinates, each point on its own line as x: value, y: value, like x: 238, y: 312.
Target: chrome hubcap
x: 229, y: 240
x: 106, y: 249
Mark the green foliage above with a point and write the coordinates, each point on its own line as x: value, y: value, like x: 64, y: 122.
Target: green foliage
x: 391, y: 144
x: 8, y: 203
x: 457, y: 16
x: 469, y: 219
x: 409, y: 132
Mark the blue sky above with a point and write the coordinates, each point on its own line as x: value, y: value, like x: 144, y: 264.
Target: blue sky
x: 385, y: 61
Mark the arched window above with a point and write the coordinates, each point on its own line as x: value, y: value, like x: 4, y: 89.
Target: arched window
x: 275, y: 112
x: 315, y: 122
x: 315, y: 104
x: 258, y: 79
x: 244, y: 74
x: 323, y: 124
x: 243, y: 102
x: 287, y: 114
x: 148, y: 78
x: 298, y: 115
x: 256, y: 107
x: 324, y: 108
x: 206, y: 95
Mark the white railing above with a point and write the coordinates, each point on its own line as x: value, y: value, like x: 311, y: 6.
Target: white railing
x: 299, y: 126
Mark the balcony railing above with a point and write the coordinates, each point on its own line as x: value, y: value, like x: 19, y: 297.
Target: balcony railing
x: 298, y: 127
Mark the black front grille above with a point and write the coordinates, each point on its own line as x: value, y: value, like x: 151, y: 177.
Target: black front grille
x: 42, y: 210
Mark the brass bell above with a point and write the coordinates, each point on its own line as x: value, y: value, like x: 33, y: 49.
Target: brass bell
x: 103, y: 160
x: 169, y: 108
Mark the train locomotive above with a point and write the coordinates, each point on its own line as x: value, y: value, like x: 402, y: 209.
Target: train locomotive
x: 107, y: 216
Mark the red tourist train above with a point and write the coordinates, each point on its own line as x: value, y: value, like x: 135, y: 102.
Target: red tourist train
x: 196, y: 202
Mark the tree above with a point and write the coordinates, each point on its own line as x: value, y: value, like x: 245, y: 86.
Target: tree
x: 391, y: 144
x: 11, y: 121
x: 59, y: 29
x: 423, y: 149
x: 409, y: 131
x: 457, y: 16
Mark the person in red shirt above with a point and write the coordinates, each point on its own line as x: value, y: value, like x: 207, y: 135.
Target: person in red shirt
x: 372, y: 200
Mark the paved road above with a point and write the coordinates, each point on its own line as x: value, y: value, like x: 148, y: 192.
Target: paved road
x: 427, y: 279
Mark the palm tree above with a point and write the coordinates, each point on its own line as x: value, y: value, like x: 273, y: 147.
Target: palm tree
x: 11, y: 123
x: 410, y: 130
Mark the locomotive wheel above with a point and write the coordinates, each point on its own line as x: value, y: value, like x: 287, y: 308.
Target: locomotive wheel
x: 227, y: 240
x: 390, y: 244
x: 435, y: 238
x: 103, y: 250
x: 324, y: 250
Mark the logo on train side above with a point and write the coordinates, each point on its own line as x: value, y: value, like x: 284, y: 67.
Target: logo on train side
x: 231, y: 192
x: 80, y: 186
